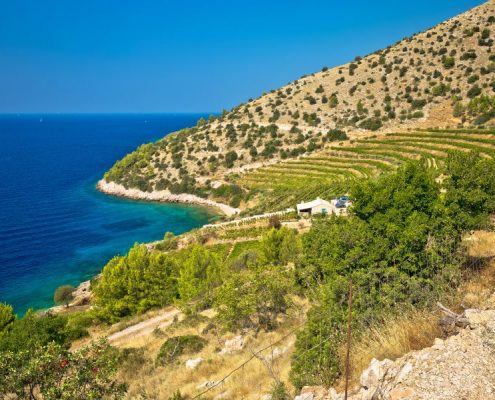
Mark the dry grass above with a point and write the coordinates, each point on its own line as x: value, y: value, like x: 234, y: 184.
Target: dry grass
x: 146, y: 380
x: 396, y: 336
x: 414, y: 329
x: 481, y: 244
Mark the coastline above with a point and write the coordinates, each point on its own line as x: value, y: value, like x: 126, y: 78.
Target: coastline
x: 118, y: 190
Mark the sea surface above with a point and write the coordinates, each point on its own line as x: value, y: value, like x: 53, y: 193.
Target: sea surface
x: 55, y: 228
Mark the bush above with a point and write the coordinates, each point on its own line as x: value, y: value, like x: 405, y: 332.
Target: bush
x: 198, y: 274
x: 64, y: 295
x: 335, y: 135
x: 440, y: 90
x: 399, y: 247
x: 418, y: 104
x: 170, y: 242
x: 177, y: 396
x: 253, y: 298
x: 469, y: 55
x: 53, y: 372
x: 7, y: 316
x: 279, y: 391
x: 474, y: 91
x: 371, y: 124
x: 135, y: 283
x: 279, y: 247
x: 177, y: 346
x: 274, y: 222
x: 448, y: 62
x: 230, y: 158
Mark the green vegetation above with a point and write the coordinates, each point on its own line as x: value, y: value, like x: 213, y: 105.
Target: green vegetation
x: 135, y: 283
x: 52, y: 371
x: 401, y: 247
x: 199, y: 273
x: 64, y: 295
x: 134, y: 170
x: 7, y: 316
x: 253, y: 298
x: 177, y: 346
x: 169, y: 242
x: 35, y: 360
x: 333, y: 171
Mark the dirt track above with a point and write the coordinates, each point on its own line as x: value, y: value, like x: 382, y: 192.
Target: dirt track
x: 146, y: 327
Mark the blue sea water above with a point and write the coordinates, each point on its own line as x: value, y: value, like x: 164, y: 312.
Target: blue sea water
x: 55, y: 228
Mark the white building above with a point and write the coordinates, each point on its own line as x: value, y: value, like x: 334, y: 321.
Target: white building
x: 319, y: 206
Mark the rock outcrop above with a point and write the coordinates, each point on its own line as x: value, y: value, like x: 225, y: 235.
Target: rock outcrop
x: 115, y: 189
x: 460, y: 367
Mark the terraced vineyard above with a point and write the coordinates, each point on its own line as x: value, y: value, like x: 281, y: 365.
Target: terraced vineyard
x: 330, y: 172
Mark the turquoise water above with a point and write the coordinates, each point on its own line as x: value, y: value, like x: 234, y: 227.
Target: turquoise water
x: 55, y: 227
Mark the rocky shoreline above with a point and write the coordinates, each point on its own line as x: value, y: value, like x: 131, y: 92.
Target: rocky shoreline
x: 115, y: 189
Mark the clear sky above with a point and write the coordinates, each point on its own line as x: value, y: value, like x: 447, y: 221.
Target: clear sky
x: 186, y: 55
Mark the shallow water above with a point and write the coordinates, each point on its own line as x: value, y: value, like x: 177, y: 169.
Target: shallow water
x: 55, y: 228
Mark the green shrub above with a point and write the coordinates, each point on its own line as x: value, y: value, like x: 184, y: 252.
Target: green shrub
x: 474, y: 91
x: 134, y: 283
x: 371, y: 124
x: 418, y: 104
x: 448, y: 62
x: 279, y: 391
x: 230, y: 158
x: 7, y: 316
x: 440, y: 90
x: 169, y: 242
x: 399, y: 247
x: 52, y: 371
x: 64, y: 295
x: 199, y: 273
x: 253, y: 298
x: 177, y: 346
x: 336, y: 135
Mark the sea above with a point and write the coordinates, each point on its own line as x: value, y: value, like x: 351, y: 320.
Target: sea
x: 55, y: 227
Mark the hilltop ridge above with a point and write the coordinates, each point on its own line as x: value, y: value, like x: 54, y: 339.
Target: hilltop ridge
x: 441, y: 77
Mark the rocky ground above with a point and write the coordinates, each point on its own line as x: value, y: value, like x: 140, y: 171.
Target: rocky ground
x: 115, y: 189
x: 459, y: 367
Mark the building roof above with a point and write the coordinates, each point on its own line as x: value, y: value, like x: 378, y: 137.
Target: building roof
x: 312, y: 204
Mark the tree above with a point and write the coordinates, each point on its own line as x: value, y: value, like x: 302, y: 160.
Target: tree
x: 253, y: 298
x: 279, y: 246
x: 33, y: 331
x: 398, y: 247
x: 7, y: 316
x: 230, y: 158
x: 170, y: 242
x: 448, y: 62
x: 64, y: 295
x: 176, y: 346
x: 135, y: 283
x: 470, y: 189
x: 274, y: 222
x: 53, y: 372
x: 199, y: 273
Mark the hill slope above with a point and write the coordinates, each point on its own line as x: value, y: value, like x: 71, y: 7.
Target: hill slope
x: 441, y: 77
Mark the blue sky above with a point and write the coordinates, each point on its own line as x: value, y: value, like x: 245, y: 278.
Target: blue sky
x: 184, y: 56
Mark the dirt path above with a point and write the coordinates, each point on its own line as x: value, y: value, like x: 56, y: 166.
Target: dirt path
x: 146, y: 327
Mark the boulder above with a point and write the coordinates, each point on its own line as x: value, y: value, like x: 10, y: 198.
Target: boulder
x: 207, y: 384
x: 305, y: 396
x: 375, y: 372
x: 233, y: 345
x: 193, y: 362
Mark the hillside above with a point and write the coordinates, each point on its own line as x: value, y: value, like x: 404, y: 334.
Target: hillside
x: 458, y: 367
x: 438, y: 78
